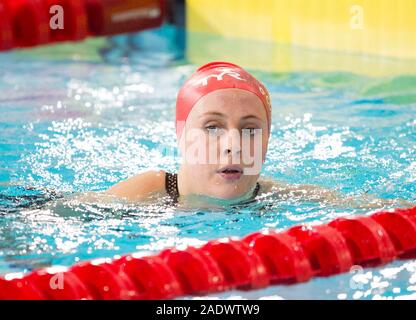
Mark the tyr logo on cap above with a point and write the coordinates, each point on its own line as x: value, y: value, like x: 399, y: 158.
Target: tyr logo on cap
x: 203, y: 80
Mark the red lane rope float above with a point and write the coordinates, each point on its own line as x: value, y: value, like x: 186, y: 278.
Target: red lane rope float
x: 242, y: 267
x: 155, y: 279
x: 17, y: 287
x: 255, y: 261
x: 326, y: 249
x: 401, y: 230
x: 367, y: 240
x: 48, y: 283
x: 195, y: 271
x: 290, y: 266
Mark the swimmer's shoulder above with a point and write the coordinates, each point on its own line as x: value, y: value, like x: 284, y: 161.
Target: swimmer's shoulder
x: 142, y: 186
x: 268, y: 185
x: 277, y: 187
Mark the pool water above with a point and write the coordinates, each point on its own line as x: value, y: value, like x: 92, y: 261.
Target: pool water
x: 71, y: 126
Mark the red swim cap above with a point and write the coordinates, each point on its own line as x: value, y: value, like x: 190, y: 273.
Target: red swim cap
x: 214, y: 76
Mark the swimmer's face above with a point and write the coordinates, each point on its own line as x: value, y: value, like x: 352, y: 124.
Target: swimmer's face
x: 224, y: 143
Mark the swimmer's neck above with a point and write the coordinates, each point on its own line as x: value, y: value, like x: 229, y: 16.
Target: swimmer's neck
x: 190, y: 199
x: 207, y: 202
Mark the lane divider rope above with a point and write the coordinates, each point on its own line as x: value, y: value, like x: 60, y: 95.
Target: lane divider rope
x: 256, y: 261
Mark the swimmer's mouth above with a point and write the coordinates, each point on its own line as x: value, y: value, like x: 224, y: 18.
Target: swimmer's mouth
x: 231, y: 172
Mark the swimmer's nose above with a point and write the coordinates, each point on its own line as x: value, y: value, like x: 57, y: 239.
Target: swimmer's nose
x: 232, y: 143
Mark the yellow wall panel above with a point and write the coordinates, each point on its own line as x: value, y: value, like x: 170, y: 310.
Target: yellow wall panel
x: 282, y: 35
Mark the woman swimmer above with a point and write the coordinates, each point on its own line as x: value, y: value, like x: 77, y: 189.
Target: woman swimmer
x: 223, y: 118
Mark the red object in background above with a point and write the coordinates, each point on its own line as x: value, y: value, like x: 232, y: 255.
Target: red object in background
x: 27, y: 23
x: 109, y: 17
x: 6, y: 33
x: 30, y: 22
x: 74, y: 19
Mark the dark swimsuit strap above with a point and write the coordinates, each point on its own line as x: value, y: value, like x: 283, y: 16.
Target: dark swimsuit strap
x: 171, y: 186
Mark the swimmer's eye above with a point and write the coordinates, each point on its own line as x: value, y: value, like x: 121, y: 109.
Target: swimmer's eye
x: 251, y: 131
x: 213, y: 130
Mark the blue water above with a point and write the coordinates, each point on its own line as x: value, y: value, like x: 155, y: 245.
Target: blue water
x: 68, y: 126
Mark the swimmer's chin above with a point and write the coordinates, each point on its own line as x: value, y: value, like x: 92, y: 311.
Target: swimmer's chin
x: 226, y: 195
x: 223, y: 199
